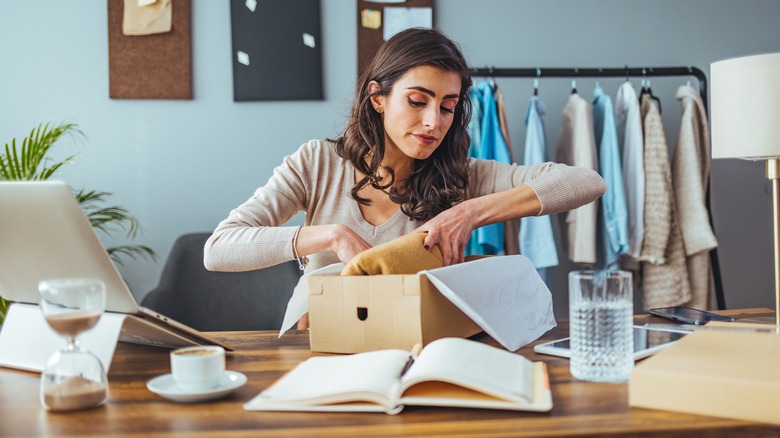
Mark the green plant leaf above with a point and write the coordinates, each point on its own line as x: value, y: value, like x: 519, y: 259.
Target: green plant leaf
x: 3, y: 309
x: 31, y: 161
x: 132, y: 251
x: 107, y: 219
x: 13, y: 161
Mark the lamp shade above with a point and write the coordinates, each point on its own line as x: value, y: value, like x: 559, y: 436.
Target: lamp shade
x: 745, y: 107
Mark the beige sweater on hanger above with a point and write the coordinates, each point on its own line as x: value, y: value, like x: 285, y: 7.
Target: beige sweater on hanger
x: 690, y: 174
x: 664, y: 272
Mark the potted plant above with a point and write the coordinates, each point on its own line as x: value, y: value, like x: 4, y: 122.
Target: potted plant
x: 30, y: 161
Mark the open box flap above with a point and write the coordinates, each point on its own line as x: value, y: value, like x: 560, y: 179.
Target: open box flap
x: 505, y: 296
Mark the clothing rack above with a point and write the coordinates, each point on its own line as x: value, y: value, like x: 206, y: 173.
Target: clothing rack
x: 574, y: 72
x: 626, y: 72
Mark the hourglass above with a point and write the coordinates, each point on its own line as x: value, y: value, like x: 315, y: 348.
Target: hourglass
x: 74, y: 378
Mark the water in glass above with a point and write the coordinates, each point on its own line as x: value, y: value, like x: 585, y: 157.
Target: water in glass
x: 601, y: 322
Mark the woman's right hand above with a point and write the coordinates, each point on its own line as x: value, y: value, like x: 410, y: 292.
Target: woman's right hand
x: 338, y: 238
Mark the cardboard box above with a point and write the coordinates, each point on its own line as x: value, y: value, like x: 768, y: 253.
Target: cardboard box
x: 504, y: 296
x: 727, y: 370
x: 351, y: 314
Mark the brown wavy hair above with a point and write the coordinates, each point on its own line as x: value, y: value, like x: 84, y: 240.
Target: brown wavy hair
x: 441, y: 180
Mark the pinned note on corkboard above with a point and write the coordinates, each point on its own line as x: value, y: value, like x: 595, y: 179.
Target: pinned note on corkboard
x: 380, y: 19
x: 157, y: 66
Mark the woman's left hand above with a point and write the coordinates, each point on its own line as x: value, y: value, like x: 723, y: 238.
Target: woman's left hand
x: 450, y: 230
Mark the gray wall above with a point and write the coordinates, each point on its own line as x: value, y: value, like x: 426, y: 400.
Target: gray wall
x: 180, y: 166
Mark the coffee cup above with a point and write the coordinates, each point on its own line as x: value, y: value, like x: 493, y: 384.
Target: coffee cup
x: 198, y: 368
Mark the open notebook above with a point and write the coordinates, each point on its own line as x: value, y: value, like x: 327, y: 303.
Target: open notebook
x: 451, y: 372
x: 44, y: 234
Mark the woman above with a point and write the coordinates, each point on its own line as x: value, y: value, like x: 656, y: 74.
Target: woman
x: 401, y: 166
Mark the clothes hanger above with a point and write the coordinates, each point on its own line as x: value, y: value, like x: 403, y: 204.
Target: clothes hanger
x: 647, y: 88
x: 536, y: 81
x: 574, y: 81
x: 650, y: 92
x: 492, y: 79
x: 643, y: 84
x: 690, y: 72
x: 598, y: 82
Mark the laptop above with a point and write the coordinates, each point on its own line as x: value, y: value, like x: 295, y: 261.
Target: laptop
x: 45, y: 234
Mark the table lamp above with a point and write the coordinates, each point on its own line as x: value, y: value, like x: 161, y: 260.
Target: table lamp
x: 745, y: 114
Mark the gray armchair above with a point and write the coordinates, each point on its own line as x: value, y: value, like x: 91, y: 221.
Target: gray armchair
x: 212, y: 301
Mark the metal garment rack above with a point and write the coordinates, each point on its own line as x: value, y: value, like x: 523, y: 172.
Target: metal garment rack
x: 626, y: 72
x: 618, y: 72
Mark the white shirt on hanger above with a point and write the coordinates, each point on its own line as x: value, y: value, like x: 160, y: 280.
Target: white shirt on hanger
x: 629, y: 120
x: 577, y: 147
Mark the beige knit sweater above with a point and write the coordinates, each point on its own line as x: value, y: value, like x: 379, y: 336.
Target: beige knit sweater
x: 691, y: 176
x: 317, y: 181
x: 665, y: 276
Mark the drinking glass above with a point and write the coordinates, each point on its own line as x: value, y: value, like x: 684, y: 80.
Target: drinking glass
x: 73, y: 378
x: 601, y: 325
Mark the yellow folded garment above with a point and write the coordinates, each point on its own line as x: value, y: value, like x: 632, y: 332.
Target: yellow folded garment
x: 404, y: 255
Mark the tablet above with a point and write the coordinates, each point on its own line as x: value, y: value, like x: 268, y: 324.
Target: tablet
x: 647, y: 341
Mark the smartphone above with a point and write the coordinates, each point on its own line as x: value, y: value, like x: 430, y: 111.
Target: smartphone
x: 688, y: 315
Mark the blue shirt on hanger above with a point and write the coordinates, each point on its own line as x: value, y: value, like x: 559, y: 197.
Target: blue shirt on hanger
x: 536, y: 234
x: 475, y: 124
x: 488, y: 145
x: 612, y: 226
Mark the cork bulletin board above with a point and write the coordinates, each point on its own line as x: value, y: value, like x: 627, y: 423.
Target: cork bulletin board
x: 155, y: 66
x: 372, y: 14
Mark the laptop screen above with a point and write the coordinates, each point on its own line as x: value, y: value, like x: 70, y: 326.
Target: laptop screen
x: 44, y: 234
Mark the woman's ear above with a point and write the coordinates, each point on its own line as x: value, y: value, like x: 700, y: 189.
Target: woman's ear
x: 377, y: 100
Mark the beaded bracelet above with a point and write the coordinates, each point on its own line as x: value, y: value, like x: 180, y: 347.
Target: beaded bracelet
x: 302, y: 261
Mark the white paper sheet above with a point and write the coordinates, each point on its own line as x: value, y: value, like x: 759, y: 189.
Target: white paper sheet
x: 398, y: 19
x: 299, y: 301
x: 27, y: 341
x: 504, y: 295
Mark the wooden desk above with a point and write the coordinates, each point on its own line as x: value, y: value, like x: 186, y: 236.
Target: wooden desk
x: 581, y: 408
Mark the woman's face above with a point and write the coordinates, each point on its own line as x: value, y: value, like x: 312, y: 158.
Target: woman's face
x: 418, y: 111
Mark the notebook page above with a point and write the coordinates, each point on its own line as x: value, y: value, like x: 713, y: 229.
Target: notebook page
x: 331, y: 379
x: 474, y: 365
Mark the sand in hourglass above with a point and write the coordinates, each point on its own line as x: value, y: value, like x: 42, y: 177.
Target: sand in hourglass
x: 74, y: 392
x: 73, y: 323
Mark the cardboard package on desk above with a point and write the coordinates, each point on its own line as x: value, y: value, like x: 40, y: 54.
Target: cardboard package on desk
x: 726, y: 369
x: 504, y: 296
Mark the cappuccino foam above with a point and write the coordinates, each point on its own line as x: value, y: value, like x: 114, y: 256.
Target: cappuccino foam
x: 199, y: 352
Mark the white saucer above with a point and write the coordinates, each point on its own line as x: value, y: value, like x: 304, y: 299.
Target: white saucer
x: 166, y: 387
